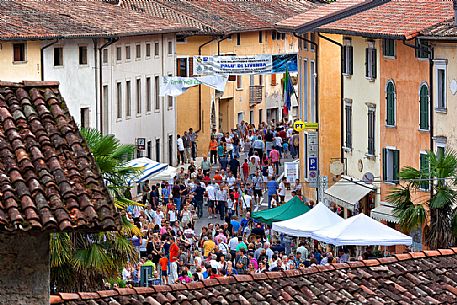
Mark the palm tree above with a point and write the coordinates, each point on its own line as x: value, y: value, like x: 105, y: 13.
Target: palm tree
x: 81, y: 261
x: 437, y: 212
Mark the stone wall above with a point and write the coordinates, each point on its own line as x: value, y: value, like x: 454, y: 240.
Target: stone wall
x: 24, y: 269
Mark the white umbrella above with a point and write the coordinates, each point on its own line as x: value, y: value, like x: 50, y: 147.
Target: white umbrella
x: 361, y: 230
x: 304, y: 225
x: 148, y: 168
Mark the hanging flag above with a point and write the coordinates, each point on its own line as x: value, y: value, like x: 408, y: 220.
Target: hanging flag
x: 288, y: 90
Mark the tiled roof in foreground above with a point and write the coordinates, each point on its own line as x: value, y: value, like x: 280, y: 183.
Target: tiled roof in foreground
x: 48, y: 177
x: 428, y: 277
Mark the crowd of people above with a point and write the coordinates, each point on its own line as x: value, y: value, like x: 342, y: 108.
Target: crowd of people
x: 230, y: 190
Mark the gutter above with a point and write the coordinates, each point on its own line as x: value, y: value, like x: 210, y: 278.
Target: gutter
x: 200, y: 87
x: 110, y: 41
x: 341, y: 93
x: 432, y: 56
x: 42, y: 57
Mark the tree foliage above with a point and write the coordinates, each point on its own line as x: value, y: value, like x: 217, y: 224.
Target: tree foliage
x: 82, y: 261
x: 440, y: 209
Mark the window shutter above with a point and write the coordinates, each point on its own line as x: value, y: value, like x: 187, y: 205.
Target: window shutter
x: 344, y: 60
x: 191, y: 66
x: 396, y: 168
x: 178, y: 67
x: 423, y: 104
x: 366, y: 62
x: 373, y: 63
x: 384, y: 164
x: 350, y: 59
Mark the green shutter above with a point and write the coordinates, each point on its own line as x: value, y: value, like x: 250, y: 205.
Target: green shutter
x: 390, y: 104
x: 424, y: 169
x: 367, y: 53
x: 350, y: 59
x: 343, y: 60
x: 396, y: 167
x: 373, y: 63
x: 384, y: 164
x: 423, y: 107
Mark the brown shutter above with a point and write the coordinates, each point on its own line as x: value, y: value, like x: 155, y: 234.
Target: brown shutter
x: 191, y: 66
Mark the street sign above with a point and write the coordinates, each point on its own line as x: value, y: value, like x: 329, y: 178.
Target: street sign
x: 141, y: 143
x: 299, y: 126
x: 312, y: 163
x: 312, y: 150
x: 311, y: 125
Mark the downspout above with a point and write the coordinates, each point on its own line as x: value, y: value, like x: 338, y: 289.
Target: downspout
x: 200, y: 88
x: 431, y: 104
x: 95, y: 41
x: 341, y: 93
x: 162, y: 72
x: 42, y: 57
x: 110, y: 41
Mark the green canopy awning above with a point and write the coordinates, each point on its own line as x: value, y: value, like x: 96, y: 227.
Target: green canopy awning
x: 291, y: 209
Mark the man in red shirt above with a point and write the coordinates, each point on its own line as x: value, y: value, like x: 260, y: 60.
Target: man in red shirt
x: 217, y: 177
x: 174, y: 255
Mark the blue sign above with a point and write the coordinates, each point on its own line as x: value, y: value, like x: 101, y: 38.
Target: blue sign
x: 312, y: 163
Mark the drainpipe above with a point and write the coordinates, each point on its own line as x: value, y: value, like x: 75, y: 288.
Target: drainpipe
x: 432, y: 56
x: 200, y: 87
x: 341, y: 93
x: 42, y: 57
x: 110, y: 41
x: 162, y: 72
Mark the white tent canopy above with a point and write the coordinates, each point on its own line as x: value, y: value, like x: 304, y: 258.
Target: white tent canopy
x: 361, y: 230
x: 304, y: 225
x: 148, y: 168
x: 165, y: 175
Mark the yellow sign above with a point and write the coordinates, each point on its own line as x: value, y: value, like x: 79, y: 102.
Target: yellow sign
x: 299, y: 126
x: 311, y: 125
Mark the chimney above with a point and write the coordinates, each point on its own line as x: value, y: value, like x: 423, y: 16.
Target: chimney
x: 454, y: 5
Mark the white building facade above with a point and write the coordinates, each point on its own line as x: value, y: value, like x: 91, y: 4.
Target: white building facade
x: 124, y: 99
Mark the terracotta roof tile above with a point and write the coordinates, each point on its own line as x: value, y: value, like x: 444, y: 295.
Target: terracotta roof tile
x: 396, y: 18
x: 76, y: 18
x: 423, y: 280
x: 222, y: 16
x: 39, y: 186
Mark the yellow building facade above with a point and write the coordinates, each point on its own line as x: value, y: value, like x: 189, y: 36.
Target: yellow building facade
x: 320, y: 102
x: 202, y: 109
x: 20, y: 60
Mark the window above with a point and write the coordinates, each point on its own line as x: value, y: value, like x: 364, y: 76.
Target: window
x: 118, y: 53
x: 370, y: 61
x: 156, y: 49
x: 181, y: 38
x: 149, y: 150
x: 371, y: 131
x: 128, y: 98
x: 251, y: 117
x: 348, y: 57
x: 440, y: 150
x: 232, y: 78
x: 348, y: 124
x: 158, y: 150
x: 138, y: 96
x: 273, y: 35
x: 127, y: 52
x: 251, y: 80
x: 390, y: 104
x: 170, y: 102
x: 138, y: 51
x: 305, y: 43
x: 260, y: 80
x: 313, y: 91
x: 119, y: 99
x: 260, y: 116
x: 19, y: 52
x: 148, y: 49
x: 184, y: 66
x: 422, y: 50
x: 238, y: 39
x: 105, y: 108
x: 170, y: 48
x: 58, y: 56
x: 84, y: 113
x: 273, y: 80
x: 283, y: 36
x: 105, y: 56
x: 148, y: 94
x: 156, y: 93
x: 388, y: 47
x: 239, y: 82
x: 390, y: 164
x: 312, y: 37
x: 440, y: 85
x: 423, y: 107
x: 425, y: 171
x: 83, y: 55
x: 260, y: 37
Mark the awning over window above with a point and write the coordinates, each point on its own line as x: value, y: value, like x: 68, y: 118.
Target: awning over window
x: 385, y: 211
x: 347, y: 193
